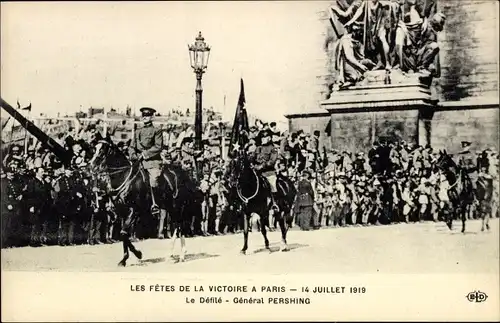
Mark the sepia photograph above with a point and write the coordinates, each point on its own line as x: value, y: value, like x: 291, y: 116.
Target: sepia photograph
x: 191, y: 160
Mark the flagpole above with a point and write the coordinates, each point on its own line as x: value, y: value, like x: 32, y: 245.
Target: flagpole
x: 26, y: 139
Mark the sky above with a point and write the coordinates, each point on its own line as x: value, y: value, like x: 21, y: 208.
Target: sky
x: 62, y: 56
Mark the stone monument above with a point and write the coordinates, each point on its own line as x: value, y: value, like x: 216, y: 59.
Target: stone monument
x: 385, y: 56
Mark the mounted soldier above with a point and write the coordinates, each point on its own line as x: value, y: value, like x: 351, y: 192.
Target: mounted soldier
x: 146, y: 147
x: 264, y: 161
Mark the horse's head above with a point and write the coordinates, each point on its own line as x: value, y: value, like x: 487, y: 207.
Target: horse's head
x: 444, y: 161
x: 106, y: 154
x: 240, y: 165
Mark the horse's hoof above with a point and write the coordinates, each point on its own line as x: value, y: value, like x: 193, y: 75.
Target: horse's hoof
x: 488, y: 227
x: 284, y: 248
x: 482, y: 229
x: 122, y: 263
x: 138, y: 254
x: 269, y: 250
x: 243, y: 252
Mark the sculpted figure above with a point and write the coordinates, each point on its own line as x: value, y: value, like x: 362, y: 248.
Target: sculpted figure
x: 381, y: 17
x: 416, y: 42
x: 349, y: 57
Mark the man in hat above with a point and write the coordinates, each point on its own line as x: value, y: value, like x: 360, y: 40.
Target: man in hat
x: 264, y: 161
x: 38, y: 199
x: 467, y: 162
x: 12, y: 190
x: 15, y: 154
x: 305, y: 201
x: 146, y: 147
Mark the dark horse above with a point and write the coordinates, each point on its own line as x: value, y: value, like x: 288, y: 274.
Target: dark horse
x: 461, y: 192
x: 181, y: 198
x: 252, y: 195
x: 128, y: 184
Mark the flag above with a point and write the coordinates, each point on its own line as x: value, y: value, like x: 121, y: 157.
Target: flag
x: 240, y: 123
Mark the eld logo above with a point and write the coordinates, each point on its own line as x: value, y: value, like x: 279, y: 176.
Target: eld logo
x: 477, y: 297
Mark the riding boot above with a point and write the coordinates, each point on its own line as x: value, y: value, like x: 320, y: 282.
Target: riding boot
x: 155, y: 209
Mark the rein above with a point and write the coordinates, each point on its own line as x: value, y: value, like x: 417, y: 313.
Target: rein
x: 116, y: 170
x: 170, y: 183
x: 240, y: 195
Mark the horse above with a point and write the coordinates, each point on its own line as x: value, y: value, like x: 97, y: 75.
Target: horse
x: 285, y: 199
x: 127, y: 185
x: 253, y: 192
x: 181, y: 197
x: 484, y: 195
x: 461, y: 191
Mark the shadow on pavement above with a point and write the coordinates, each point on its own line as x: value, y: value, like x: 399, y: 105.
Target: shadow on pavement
x: 276, y: 247
x: 175, y: 258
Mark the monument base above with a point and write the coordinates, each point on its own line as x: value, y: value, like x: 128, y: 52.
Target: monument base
x: 373, y: 111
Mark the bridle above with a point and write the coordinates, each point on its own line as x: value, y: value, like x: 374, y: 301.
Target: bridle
x: 238, y: 190
x: 102, y: 168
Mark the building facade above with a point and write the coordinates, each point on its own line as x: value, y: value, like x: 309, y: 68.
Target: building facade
x: 464, y: 99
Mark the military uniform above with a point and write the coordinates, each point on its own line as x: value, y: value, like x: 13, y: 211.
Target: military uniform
x: 265, y: 157
x: 11, y: 210
x: 147, y: 146
x: 305, y: 201
x: 64, y: 206
x: 38, y: 201
x: 467, y: 162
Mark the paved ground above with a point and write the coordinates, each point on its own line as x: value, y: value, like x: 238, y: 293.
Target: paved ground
x: 402, y: 248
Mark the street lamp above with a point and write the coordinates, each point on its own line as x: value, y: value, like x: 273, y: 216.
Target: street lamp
x: 199, y: 53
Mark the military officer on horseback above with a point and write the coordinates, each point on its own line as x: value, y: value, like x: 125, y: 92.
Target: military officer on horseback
x: 265, y: 157
x: 146, y: 147
x: 466, y: 159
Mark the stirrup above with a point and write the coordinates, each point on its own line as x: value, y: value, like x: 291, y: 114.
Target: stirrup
x: 155, y: 210
x: 275, y: 207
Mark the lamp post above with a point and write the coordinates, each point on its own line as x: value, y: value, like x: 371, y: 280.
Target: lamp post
x: 199, y: 53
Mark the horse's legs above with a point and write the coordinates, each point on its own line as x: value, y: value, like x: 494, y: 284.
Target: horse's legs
x: 183, y: 247
x: 161, y: 223
x: 464, y: 210
x: 134, y: 250
x: 448, y: 214
x: 264, y: 233
x: 284, y: 230
x: 485, y: 216
x: 246, y: 219
x: 124, y: 237
x: 173, y: 243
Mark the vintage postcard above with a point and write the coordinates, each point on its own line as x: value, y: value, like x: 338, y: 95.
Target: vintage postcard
x: 250, y: 161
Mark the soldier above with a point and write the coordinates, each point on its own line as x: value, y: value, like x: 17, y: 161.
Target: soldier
x: 466, y: 158
x: 37, y: 201
x: 15, y: 154
x: 11, y: 210
x: 264, y: 160
x: 64, y: 205
x: 305, y: 201
x: 146, y: 147
x: 213, y: 199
